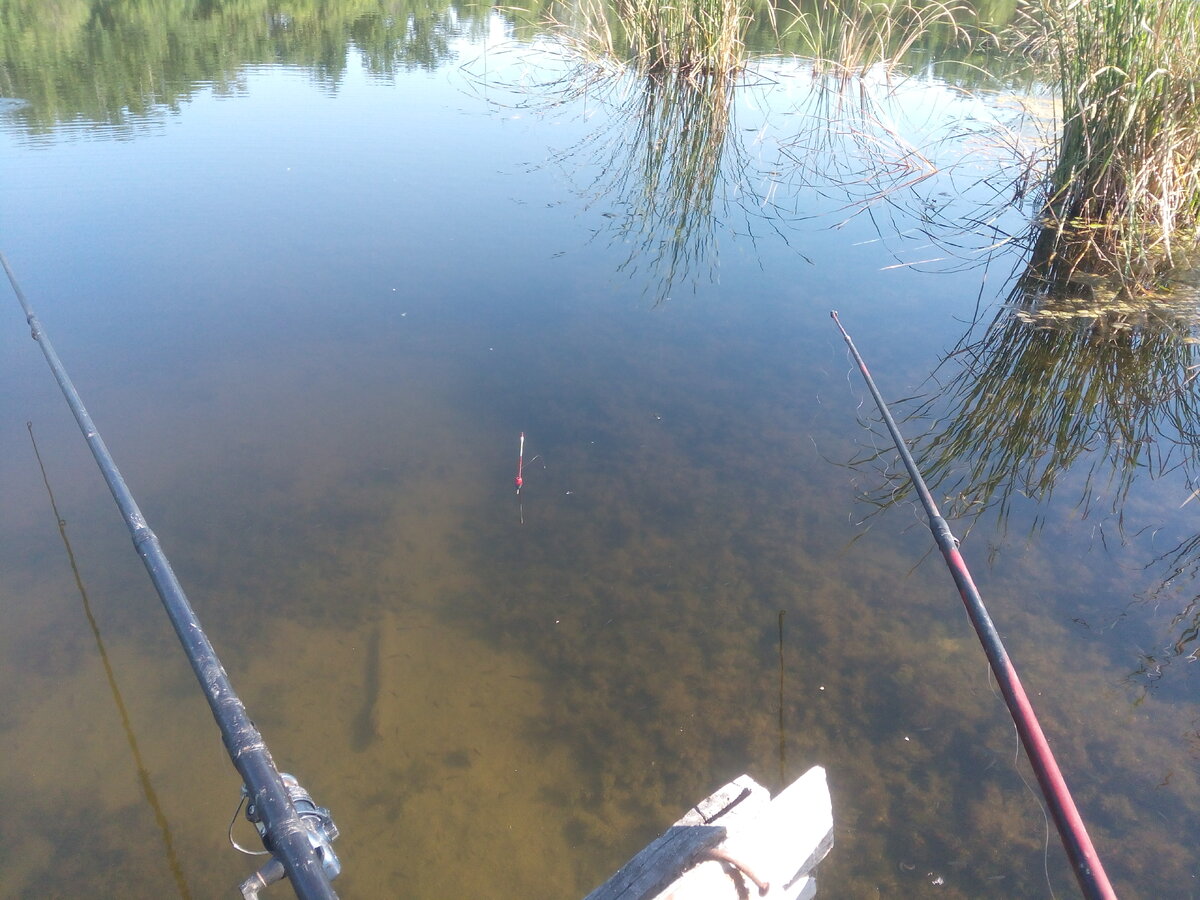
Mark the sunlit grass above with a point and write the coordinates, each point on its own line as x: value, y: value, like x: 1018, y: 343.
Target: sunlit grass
x: 1125, y: 189
x: 700, y: 37
x: 707, y: 37
x: 693, y: 38
x: 848, y: 37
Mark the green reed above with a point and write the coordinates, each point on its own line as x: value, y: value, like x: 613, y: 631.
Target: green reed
x: 1125, y: 189
x: 701, y: 37
x: 848, y: 37
x: 692, y: 38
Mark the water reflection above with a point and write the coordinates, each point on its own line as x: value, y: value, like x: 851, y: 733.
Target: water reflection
x: 689, y: 165
x: 1095, y: 386
x: 1053, y: 382
x: 673, y: 167
x: 120, y: 62
x: 514, y: 710
x: 147, y: 786
x: 679, y: 169
x: 1176, y: 576
x: 127, y: 63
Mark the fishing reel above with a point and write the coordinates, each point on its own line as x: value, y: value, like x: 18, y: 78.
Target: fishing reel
x: 319, y: 828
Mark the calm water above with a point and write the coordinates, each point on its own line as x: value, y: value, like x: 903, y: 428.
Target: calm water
x: 313, y: 282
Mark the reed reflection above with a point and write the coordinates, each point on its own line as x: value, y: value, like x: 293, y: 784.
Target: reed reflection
x: 1177, y: 586
x: 673, y: 166
x: 147, y: 786
x: 1096, y: 386
x: 683, y: 170
x: 1057, y: 381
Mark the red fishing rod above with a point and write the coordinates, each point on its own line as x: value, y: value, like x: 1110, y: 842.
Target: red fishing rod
x: 1086, y: 864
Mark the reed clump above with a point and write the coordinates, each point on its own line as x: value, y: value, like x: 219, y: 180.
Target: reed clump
x: 692, y: 37
x: 699, y: 39
x: 1124, y: 193
x: 849, y: 37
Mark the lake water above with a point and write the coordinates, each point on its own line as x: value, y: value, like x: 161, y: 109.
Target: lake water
x: 313, y: 277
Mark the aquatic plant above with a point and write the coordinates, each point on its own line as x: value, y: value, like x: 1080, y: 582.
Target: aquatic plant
x: 848, y: 37
x: 1054, y: 382
x: 701, y: 37
x: 1125, y: 188
x: 669, y: 159
x: 698, y: 38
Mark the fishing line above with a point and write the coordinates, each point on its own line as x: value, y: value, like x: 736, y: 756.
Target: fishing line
x: 994, y: 688
x: 1041, y: 808
x: 236, y: 846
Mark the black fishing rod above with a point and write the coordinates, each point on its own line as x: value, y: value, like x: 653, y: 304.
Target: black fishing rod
x: 296, y: 832
x: 1084, y: 861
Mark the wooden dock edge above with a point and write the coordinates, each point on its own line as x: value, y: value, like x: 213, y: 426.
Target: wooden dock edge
x: 736, y: 843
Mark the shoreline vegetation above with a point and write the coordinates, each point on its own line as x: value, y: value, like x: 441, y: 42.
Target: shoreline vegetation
x: 1123, y: 194
x: 1118, y: 185
x: 1120, y: 197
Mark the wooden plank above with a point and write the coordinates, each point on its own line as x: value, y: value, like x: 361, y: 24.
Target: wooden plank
x: 783, y: 845
x: 742, y: 796
x: 778, y: 841
x: 660, y: 863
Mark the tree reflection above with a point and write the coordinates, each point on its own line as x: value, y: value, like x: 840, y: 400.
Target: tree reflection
x: 123, y: 61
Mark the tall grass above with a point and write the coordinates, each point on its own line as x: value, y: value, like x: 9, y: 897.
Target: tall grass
x: 1125, y: 190
x: 848, y: 37
x: 675, y: 38
x: 691, y: 37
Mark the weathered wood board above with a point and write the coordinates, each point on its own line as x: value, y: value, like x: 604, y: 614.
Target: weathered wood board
x: 737, y: 843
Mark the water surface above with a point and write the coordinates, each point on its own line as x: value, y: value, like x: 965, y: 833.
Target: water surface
x: 313, y: 283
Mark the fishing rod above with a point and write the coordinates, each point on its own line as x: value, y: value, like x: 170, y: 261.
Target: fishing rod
x: 1093, y: 881
x: 295, y: 831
